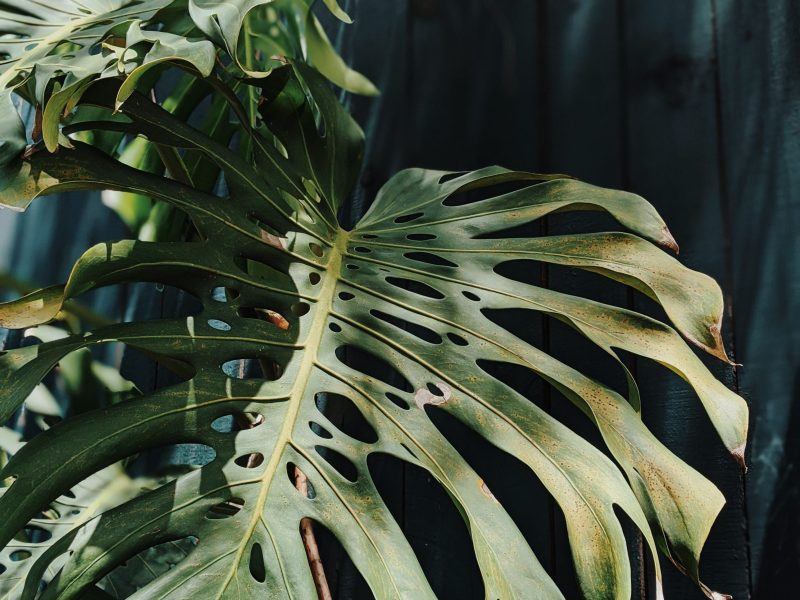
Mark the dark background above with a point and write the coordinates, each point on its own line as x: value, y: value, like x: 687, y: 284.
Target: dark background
x: 692, y: 104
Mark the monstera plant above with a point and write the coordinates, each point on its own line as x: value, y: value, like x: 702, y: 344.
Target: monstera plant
x: 216, y: 130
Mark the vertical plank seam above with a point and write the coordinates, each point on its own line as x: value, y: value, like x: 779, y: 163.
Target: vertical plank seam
x: 727, y: 245
x: 543, y: 152
x: 624, y: 156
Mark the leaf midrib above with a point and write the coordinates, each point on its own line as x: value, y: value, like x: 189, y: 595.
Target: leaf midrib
x: 309, y: 357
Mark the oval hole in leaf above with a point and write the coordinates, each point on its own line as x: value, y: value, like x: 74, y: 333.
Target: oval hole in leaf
x: 342, y: 412
x: 431, y: 259
x: 408, y: 218
x: 420, y: 237
x: 19, y: 555
x: 471, y: 296
x: 300, y: 308
x: 319, y: 430
x: 362, y: 249
x: 369, y: 236
x: 397, y: 400
x: 243, y: 368
x: 237, y: 422
x: 423, y: 333
x: 457, y: 339
x: 250, y: 461
x: 226, y: 509
x: 223, y: 294
x: 256, y: 563
x: 316, y: 249
x: 219, y: 325
x: 314, y: 278
x: 36, y: 534
x: 352, y: 267
x: 415, y: 287
x: 372, y: 365
x: 346, y: 296
x: 343, y: 465
x: 334, y: 327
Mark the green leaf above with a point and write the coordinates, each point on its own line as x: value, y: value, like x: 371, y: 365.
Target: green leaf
x: 164, y: 47
x: 415, y: 286
x: 12, y: 135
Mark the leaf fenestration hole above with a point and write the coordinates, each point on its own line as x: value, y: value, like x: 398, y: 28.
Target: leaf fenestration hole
x: 36, y: 535
x: 250, y: 461
x: 415, y: 329
x: 300, y: 308
x: 397, y: 400
x: 341, y: 464
x: 372, y: 365
x: 470, y: 296
x: 415, y: 287
x: 431, y: 259
x: 409, y: 217
x: 342, y: 412
x: 362, y: 249
x: 238, y: 421
x: 219, y: 325
x: 319, y: 430
x: 19, y: 555
x: 225, y: 510
x: 369, y: 236
x: 352, y: 267
x: 316, y: 249
x: 334, y: 327
x: 346, y: 296
x: 457, y: 339
x: 243, y: 368
x: 256, y: 563
x: 420, y: 237
x: 314, y: 278
x: 224, y: 294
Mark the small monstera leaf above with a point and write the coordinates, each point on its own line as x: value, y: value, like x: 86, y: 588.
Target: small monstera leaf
x: 395, y: 318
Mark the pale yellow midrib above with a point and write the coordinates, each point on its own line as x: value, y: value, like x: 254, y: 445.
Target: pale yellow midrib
x: 311, y: 346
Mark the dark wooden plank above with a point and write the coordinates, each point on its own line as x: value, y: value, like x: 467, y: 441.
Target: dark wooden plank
x: 473, y: 100
x: 759, y: 83
x: 674, y: 162
x: 581, y: 135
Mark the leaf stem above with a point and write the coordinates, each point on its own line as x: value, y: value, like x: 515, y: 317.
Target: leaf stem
x: 310, y: 542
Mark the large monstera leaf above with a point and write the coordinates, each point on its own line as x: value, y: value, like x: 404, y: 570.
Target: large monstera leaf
x: 395, y: 318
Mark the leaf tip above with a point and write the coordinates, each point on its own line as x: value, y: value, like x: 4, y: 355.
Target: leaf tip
x: 738, y: 455
x: 668, y: 241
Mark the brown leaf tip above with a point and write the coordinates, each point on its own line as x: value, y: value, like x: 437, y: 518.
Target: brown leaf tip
x: 424, y: 395
x: 668, y: 241
x: 738, y: 455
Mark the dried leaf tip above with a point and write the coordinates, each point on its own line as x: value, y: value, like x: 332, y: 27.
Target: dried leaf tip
x: 668, y: 241
x: 738, y: 455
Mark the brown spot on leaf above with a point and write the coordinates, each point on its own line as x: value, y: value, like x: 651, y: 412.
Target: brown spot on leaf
x: 486, y: 491
x: 424, y: 396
